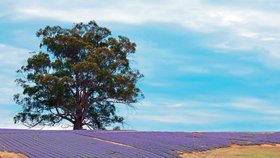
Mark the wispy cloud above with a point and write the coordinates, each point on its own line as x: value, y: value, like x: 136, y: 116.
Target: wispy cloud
x: 163, y: 112
x: 206, y: 113
x: 256, y: 105
x: 234, y: 26
x: 11, y: 59
x: 7, y: 113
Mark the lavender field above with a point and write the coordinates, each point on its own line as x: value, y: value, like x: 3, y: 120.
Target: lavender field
x: 97, y: 144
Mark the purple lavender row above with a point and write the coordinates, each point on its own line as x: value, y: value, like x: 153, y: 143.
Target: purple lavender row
x: 148, y: 141
x: 64, y: 145
x: 171, y: 142
x: 140, y: 144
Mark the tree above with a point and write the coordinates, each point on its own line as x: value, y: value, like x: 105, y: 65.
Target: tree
x: 79, y: 75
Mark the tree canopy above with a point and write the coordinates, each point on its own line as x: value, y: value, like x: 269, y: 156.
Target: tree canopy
x: 79, y: 75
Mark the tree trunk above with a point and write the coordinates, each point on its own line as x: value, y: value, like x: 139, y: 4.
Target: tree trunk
x: 78, y: 125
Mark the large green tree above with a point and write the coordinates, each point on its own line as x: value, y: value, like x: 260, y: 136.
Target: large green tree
x: 79, y: 75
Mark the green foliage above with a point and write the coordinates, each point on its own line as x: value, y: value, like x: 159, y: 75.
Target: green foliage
x: 79, y: 76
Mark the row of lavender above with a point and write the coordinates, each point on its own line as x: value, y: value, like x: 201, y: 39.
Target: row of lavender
x: 57, y: 144
x: 167, y: 144
x: 131, y: 143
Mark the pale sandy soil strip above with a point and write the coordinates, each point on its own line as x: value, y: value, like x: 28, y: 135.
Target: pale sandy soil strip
x: 6, y: 154
x: 112, y: 142
x: 238, y: 151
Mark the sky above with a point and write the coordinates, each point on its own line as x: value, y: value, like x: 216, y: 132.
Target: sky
x: 208, y: 65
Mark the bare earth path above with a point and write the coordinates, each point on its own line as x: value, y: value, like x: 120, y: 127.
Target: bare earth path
x: 237, y: 151
x: 5, y: 154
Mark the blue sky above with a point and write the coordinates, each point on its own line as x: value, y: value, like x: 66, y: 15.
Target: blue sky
x: 208, y: 66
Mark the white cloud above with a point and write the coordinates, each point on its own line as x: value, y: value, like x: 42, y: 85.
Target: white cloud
x: 194, y: 69
x: 187, y: 119
x: 236, y: 26
x: 256, y: 105
x: 7, y: 121
x: 11, y: 59
x: 204, y: 112
x: 170, y: 112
